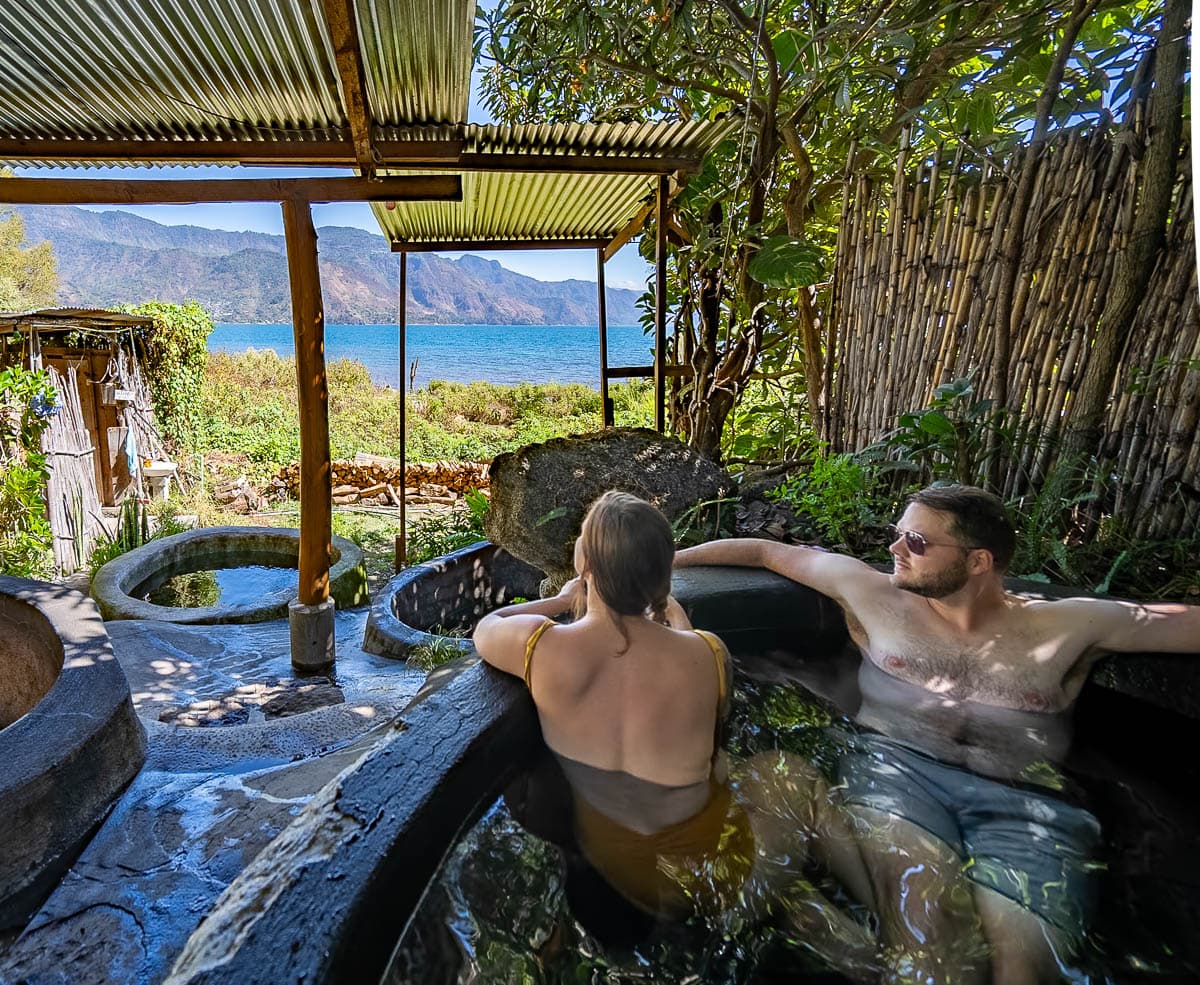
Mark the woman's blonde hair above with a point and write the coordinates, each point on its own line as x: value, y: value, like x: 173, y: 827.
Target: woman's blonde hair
x: 628, y: 550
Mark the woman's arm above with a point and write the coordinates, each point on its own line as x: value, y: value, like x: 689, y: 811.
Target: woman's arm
x: 676, y: 617
x: 501, y: 636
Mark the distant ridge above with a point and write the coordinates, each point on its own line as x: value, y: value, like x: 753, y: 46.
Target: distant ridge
x: 107, y: 258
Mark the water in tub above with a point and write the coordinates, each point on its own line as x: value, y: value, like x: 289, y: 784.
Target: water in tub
x: 235, y: 585
x: 895, y: 836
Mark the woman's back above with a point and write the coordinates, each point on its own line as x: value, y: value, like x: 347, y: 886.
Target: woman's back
x: 649, y: 711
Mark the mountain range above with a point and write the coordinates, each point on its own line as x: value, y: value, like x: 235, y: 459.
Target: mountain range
x: 107, y: 258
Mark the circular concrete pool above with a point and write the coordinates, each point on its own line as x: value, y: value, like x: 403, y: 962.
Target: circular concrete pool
x: 69, y: 738
x: 220, y: 575
x: 447, y: 593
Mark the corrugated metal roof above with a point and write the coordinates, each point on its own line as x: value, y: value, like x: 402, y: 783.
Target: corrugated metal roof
x: 263, y: 72
x: 521, y: 207
x: 418, y: 59
x: 221, y: 69
x: 544, y: 205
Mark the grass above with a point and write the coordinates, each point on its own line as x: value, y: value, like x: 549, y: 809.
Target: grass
x: 249, y: 409
x: 250, y: 426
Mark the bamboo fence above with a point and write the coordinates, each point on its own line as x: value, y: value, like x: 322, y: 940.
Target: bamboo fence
x: 913, y: 300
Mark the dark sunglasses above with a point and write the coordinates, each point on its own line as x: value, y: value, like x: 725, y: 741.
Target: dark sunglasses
x: 916, y: 543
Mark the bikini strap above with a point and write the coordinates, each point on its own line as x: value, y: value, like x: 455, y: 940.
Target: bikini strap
x: 718, y: 652
x: 533, y: 641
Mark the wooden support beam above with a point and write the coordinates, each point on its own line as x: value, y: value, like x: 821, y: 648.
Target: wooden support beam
x: 436, y: 246
x: 343, y: 31
x: 682, y: 371
x: 105, y: 191
x: 436, y: 154
x: 660, y: 305
x: 401, y: 558
x: 628, y: 231
x: 638, y: 222
x: 308, y: 322
x: 606, y: 410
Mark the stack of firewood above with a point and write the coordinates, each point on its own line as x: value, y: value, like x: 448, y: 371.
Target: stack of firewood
x: 370, y: 480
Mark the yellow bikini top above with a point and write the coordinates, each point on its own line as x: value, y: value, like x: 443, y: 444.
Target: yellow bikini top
x: 714, y: 644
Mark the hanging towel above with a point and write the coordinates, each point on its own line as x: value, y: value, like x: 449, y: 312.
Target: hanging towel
x: 131, y: 455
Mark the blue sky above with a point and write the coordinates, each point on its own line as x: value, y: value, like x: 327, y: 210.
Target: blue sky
x: 626, y: 269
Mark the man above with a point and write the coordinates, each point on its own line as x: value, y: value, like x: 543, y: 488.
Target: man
x: 942, y: 619
x: 981, y: 862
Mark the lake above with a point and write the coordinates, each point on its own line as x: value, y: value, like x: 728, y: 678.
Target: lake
x: 461, y: 353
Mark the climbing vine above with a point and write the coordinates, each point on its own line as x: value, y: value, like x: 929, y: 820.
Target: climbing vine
x: 176, y: 352
x: 27, y: 402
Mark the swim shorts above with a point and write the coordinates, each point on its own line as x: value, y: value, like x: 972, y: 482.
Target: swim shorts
x: 1027, y: 845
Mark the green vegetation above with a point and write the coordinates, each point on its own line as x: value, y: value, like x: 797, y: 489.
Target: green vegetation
x: 28, y: 274
x: 138, y: 523
x: 846, y: 501
x: 27, y: 402
x: 175, y: 356
x: 440, y: 650
x: 248, y: 405
x: 436, y: 535
x: 816, y: 88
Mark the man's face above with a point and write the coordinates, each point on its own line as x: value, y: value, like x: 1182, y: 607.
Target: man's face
x: 942, y: 569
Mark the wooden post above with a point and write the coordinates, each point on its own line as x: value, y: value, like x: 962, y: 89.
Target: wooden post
x: 402, y: 321
x: 308, y: 321
x: 660, y: 305
x: 606, y: 409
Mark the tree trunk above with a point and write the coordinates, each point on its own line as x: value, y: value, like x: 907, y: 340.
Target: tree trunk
x: 1136, y: 262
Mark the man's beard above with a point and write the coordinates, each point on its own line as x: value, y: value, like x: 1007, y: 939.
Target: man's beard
x: 936, y: 585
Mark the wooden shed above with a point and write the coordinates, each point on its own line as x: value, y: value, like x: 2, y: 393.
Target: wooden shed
x: 104, y: 432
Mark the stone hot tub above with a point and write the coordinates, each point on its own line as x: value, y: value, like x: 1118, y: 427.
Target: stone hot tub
x: 69, y: 738
x: 121, y: 585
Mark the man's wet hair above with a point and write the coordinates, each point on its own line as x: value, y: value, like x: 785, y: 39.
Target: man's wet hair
x: 980, y: 519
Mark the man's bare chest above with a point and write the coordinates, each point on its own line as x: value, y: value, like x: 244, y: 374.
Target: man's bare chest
x: 1010, y: 667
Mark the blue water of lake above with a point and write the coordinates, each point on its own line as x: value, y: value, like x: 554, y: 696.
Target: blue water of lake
x: 462, y: 353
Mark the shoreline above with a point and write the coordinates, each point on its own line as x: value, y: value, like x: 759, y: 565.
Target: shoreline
x: 499, y: 354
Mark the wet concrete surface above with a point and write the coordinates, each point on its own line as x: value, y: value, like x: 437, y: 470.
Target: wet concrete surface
x: 238, y: 744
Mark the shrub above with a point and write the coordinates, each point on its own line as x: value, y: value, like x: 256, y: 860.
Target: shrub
x: 176, y: 352
x: 440, y: 534
x: 27, y: 402
x: 836, y: 494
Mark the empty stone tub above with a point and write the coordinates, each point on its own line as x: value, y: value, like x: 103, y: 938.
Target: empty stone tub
x: 449, y: 593
x: 69, y: 738
x: 120, y: 586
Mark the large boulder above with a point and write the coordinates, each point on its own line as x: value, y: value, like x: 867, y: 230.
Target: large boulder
x: 540, y: 492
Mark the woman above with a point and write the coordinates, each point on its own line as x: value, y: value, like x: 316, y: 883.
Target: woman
x: 629, y: 698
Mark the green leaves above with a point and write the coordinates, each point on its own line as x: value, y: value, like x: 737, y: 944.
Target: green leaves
x: 932, y: 422
x: 25, y: 538
x: 786, y: 261
x: 176, y: 352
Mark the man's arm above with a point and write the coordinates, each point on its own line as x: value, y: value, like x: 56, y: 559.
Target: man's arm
x: 1131, y: 627
x: 835, y: 575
